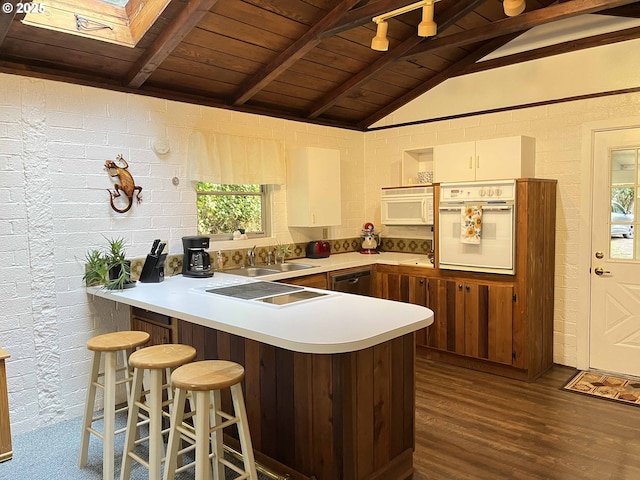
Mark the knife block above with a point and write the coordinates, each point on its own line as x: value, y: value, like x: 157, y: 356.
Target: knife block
x: 153, y: 269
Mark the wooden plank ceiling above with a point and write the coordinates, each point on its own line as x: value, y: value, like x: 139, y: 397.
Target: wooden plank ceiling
x: 307, y: 60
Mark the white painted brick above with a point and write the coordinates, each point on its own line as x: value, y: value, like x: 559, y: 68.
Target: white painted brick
x: 67, y: 151
x: 10, y: 146
x: 76, y: 136
x: 9, y: 114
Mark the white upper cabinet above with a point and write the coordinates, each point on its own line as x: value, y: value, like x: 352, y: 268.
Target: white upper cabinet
x: 313, y: 187
x: 493, y: 159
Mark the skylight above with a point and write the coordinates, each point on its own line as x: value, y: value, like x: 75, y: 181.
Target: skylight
x: 116, y: 21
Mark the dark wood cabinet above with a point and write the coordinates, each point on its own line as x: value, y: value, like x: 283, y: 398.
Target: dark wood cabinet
x: 472, y: 318
x: 391, y: 285
x: 161, y: 328
x: 325, y: 416
x: 497, y: 323
x: 316, y: 280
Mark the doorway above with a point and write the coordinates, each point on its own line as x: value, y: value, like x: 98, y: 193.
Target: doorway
x: 614, y: 336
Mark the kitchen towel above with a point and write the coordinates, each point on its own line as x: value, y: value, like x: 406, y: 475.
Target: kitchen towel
x: 471, y: 223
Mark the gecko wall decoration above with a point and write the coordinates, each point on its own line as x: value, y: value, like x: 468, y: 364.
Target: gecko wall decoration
x: 126, y: 185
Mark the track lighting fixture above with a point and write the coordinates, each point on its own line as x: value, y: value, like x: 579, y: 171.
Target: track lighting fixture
x: 427, y: 27
x: 514, y: 7
x: 380, y: 42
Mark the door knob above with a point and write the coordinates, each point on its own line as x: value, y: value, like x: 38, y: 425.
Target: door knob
x: 601, y: 271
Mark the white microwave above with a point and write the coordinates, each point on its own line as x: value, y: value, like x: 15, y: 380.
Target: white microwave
x: 407, y: 206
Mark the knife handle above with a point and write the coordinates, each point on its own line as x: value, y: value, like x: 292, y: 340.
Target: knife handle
x: 154, y: 246
x: 160, y: 249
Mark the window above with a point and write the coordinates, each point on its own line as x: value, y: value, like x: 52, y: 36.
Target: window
x: 123, y: 22
x: 223, y: 209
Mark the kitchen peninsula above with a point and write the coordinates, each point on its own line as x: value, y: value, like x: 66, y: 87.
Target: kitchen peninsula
x: 329, y: 380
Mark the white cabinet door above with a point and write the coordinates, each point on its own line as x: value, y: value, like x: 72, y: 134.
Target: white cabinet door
x: 505, y: 158
x: 492, y: 159
x: 313, y: 187
x: 454, y: 162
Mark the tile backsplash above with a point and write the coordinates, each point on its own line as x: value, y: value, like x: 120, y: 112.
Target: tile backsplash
x: 237, y: 258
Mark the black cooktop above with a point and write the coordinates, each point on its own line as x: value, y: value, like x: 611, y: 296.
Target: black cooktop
x: 253, y: 290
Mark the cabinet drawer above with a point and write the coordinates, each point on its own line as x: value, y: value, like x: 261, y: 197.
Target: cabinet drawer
x: 151, y: 316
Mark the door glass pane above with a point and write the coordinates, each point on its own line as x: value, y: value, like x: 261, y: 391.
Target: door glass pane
x: 624, y: 180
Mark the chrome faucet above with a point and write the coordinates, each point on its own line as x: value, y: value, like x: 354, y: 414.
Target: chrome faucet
x: 251, y: 257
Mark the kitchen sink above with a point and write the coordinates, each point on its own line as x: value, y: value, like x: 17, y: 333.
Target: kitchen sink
x: 289, y: 267
x: 268, y: 269
x: 252, y: 271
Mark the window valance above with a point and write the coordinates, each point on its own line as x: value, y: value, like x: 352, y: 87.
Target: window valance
x: 233, y: 159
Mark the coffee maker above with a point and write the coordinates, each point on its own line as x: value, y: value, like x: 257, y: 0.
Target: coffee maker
x: 196, y: 261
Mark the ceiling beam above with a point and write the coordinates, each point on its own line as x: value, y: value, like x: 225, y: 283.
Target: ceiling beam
x: 557, y: 49
x: 445, y: 20
x: 6, y: 19
x: 454, y: 70
x: 630, y: 11
x: 292, y: 54
x: 167, y: 41
x: 363, y: 15
x: 520, y: 23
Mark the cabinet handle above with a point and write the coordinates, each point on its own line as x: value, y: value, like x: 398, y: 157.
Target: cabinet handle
x: 467, y: 288
x: 422, y: 281
x: 470, y: 162
x: 459, y: 286
x: 478, y: 161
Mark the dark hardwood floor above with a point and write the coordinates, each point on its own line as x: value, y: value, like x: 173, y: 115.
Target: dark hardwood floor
x: 474, y: 425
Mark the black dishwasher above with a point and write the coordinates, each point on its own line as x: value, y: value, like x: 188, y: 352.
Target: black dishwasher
x: 358, y: 282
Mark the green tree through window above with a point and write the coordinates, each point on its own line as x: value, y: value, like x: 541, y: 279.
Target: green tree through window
x: 222, y: 209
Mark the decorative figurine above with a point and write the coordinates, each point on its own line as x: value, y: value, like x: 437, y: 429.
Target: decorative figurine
x: 127, y: 185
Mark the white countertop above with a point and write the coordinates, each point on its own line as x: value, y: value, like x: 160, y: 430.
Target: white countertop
x: 350, y: 260
x: 335, y: 323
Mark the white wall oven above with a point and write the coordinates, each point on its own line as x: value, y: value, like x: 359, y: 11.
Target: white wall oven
x: 407, y: 206
x: 476, y: 230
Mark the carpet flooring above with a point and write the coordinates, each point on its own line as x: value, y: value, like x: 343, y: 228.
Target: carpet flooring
x: 51, y: 453
x: 610, y: 387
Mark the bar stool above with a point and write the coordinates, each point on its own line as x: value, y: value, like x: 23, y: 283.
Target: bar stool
x: 204, y: 380
x: 156, y: 361
x: 107, y: 345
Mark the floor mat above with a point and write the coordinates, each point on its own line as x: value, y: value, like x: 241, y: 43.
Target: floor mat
x: 610, y: 387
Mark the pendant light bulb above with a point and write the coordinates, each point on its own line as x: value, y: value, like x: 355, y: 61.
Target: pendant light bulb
x: 427, y: 27
x: 380, y: 42
x: 514, y: 8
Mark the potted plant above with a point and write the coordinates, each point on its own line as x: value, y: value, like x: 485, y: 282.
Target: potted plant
x: 96, y: 269
x: 109, y: 266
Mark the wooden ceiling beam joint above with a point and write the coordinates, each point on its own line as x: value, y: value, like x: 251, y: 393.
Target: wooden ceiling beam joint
x: 520, y: 23
x: 167, y: 41
x: 454, y: 70
x: 446, y: 19
x: 292, y: 54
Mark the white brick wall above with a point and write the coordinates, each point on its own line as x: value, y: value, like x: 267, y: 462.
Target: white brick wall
x: 558, y: 130
x: 55, y: 138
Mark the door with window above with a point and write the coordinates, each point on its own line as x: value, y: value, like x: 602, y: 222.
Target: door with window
x: 615, y: 262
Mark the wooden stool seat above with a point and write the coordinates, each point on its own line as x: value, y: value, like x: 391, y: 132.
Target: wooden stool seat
x: 157, y: 361
x: 106, y: 347
x: 207, y: 375
x: 204, y: 380
x: 162, y: 356
x: 115, y: 341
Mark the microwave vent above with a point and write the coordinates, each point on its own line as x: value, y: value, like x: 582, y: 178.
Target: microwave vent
x: 401, y: 191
